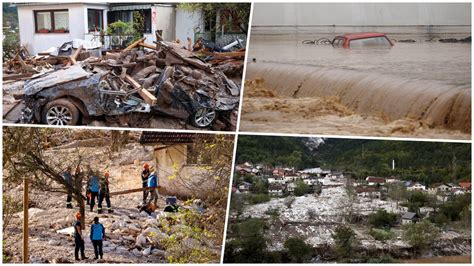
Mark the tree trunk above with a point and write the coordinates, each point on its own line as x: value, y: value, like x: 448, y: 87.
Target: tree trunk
x: 82, y: 210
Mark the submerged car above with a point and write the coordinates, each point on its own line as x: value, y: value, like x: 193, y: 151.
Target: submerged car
x: 365, y: 39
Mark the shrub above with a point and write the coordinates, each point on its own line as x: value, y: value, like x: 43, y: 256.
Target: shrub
x: 381, y: 234
x: 382, y: 219
x: 345, y: 240
x: 298, y: 250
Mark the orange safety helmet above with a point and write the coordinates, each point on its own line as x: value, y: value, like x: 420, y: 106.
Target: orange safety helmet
x: 106, y: 174
x: 78, y: 215
x: 146, y: 166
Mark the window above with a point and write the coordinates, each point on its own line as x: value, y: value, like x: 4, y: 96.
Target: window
x: 55, y: 21
x: 127, y: 16
x: 95, y: 20
x: 377, y: 41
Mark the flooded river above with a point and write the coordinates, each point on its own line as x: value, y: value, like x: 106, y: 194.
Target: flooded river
x: 412, y: 89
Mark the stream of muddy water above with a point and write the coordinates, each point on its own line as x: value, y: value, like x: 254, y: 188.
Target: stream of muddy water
x: 410, y: 90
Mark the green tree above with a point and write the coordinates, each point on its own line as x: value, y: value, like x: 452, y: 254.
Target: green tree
x: 420, y: 235
x: 298, y: 250
x: 345, y: 241
x: 382, y: 219
x: 238, y: 14
x: 302, y: 188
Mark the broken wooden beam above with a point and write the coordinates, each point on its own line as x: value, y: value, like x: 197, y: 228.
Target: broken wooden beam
x: 146, y: 95
x: 16, y: 76
x: 146, y: 45
x: 74, y: 56
x: 133, y: 45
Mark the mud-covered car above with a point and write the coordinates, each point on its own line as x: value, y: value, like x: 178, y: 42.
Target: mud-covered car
x: 183, y: 86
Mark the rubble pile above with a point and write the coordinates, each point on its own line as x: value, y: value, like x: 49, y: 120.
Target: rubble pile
x: 141, y: 78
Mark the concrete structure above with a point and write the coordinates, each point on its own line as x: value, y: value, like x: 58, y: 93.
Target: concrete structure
x: 179, y: 172
x: 410, y: 217
x: 338, y: 18
x: 77, y: 23
x: 174, y: 22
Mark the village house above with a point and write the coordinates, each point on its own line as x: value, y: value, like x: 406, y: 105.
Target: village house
x: 311, y: 182
x: 442, y: 187
x: 290, y: 178
x: 392, y: 180
x: 373, y: 181
x: 245, y: 187
x: 409, y: 218
x: 290, y: 188
x: 416, y: 187
x: 276, y: 180
x: 275, y: 189
x: 368, y: 192
x: 182, y: 171
x: 47, y: 24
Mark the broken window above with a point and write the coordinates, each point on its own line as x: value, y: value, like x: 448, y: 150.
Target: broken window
x: 95, y: 20
x: 55, y: 21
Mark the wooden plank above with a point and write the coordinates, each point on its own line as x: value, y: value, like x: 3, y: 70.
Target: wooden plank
x: 25, y: 256
x: 146, y: 45
x: 146, y: 95
x: 16, y: 76
x: 133, y: 45
x: 75, y: 55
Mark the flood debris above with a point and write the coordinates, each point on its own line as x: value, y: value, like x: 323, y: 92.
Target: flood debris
x: 163, y: 78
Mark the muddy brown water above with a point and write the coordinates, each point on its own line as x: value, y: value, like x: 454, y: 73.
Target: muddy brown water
x: 427, y: 84
x: 446, y: 259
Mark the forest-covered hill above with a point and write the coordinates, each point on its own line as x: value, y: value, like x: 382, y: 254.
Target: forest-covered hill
x: 429, y: 162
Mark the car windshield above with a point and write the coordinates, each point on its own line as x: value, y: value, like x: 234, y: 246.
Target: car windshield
x: 369, y: 42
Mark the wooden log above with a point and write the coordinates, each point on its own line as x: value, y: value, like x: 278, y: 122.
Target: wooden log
x: 25, y: 255
x: 146, y: 95
x: 75, y: 55
x: 133, y: 45
x: 134, y: 190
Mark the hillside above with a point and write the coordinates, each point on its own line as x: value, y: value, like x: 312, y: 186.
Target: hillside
x: 429, y: 162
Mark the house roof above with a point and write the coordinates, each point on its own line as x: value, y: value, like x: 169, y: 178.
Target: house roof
x: 409, y: 215
x: 465, y: 184
x: 374, y: 179
x: 149, y: 137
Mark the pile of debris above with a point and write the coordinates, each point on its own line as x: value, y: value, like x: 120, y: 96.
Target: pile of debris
x: 143, y: 78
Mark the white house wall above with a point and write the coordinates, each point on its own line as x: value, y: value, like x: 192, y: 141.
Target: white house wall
x: 37, y: 42
x: 164, y: 18
x: 186, y: 24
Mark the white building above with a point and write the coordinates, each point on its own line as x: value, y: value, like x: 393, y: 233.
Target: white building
x: 416, y: 187
x: 275, y: 190
x: 44, y: 25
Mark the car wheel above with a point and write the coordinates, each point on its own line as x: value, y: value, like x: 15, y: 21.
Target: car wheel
x: 60, y: 112
x: 203, y: 117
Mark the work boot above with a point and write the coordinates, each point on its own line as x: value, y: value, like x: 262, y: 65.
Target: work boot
x: 69, y: 206
x: 99, y: 211
x: 84, y: 258
x: 111, y: 211
x: 77, y: 259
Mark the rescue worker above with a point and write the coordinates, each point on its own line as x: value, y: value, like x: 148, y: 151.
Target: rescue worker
x: 68, y: 178
x: 153, y: 183
x: 145, y: 174
x: 104, y: 193
x: 78, y: 239
x: 97, y: 236
x: 94, y: 186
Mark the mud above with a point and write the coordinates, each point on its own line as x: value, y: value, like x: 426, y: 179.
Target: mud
x: 411, y: 90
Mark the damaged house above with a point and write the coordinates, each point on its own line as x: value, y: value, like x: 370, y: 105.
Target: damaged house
x: 46, y: 24
x: 182, y: 171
